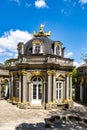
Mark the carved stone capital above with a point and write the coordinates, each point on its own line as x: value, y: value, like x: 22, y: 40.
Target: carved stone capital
x: 11, y: 74
x: 23, y: 72
x: 54, y: 73
x: 49, y: 72
x: 71, y: 74
x: 19, y: 73
x: 67, y: 74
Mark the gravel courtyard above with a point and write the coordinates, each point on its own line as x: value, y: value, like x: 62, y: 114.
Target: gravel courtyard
x: 13, y: 118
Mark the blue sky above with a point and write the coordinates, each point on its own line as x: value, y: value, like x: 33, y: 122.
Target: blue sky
x: 66, y: 19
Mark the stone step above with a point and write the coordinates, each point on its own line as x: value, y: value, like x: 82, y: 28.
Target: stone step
x: 35, y: 107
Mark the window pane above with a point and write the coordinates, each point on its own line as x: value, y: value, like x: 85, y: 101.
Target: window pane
x: 34, y: 91
x: 59, y: 93
x: 39, y: 79
x: 37, y: 48
x: 35, y: 79
x: 39, y: 91
x: 59, y: 85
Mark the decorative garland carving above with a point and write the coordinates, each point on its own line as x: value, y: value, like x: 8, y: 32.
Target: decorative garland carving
x: 36, y: 73
x: 23, y: 72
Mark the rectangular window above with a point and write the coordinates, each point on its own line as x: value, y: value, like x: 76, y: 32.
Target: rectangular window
x: 59, y: 90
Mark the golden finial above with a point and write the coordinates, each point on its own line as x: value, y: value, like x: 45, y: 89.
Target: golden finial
x: 41, y: 32
x: 41, y: 27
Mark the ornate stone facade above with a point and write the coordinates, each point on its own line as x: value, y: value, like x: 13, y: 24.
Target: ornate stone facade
x: 40, y: 76
x: 4, y: 81
x: 81, y: 87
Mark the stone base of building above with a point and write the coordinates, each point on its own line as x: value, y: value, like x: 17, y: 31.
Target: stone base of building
x: 48, y: 106
x: 65, y: 104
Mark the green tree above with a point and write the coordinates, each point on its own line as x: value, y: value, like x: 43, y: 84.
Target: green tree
x: 84, y: 57
x: 6, y: 63
x: 74, y: 77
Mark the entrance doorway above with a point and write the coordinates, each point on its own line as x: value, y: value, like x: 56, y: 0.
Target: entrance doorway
x: 37, y: 91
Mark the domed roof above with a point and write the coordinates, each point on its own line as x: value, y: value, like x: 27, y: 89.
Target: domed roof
x: 83, y: 65
x: 46, y: 42
x: 41, y: 38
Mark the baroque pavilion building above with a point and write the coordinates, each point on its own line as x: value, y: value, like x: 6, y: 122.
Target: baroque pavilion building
x: 81, y: 87
x: 40, y: 76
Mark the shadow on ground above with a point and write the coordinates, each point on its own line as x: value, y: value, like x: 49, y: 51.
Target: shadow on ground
x: 57, y: 124
x: 26, y: 126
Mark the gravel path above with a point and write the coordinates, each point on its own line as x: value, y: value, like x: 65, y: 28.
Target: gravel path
x: 13, y: 118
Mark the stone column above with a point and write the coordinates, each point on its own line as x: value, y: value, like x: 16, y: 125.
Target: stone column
x: 28, y: 90
x: 64, y: 90
x: 19, y: 86
x: 54, y: 86
x: 11, y: 85
x: 71, y: 86
x: 44, y: 93
x: 24, y: 85
x: 67, y: 86
x: 81, y: 91
x: 49, y: 85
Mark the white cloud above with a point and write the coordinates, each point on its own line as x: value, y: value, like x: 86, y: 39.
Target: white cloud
x: 83, y: 1
x: 69, y: 54
x: 40, y: 4
x: 78, y: 64
x: 9, y: 41
x: 17, y: 1
x: 1, y: 50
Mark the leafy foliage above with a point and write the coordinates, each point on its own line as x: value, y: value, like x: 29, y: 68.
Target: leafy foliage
x: 74, y: 76
x: 6, y: 63
x: 84, y: 57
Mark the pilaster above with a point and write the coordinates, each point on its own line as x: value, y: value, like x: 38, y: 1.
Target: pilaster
x: 19, y: 86
x: 67, y: 86
x: 24, y: 85
x: 71, y: 86
x: 54, y: 86
x: 11, y: 85
x: 49, y: 85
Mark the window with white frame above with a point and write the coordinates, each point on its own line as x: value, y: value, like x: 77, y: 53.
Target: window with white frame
x: 59, y: 90
x: 37, y: 48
